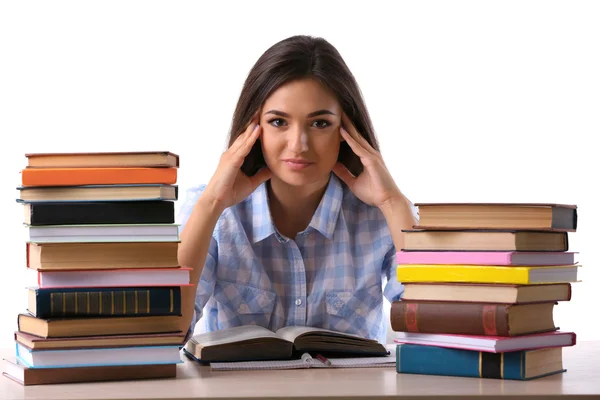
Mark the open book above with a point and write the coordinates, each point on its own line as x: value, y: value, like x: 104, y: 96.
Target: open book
x: 253, y: 343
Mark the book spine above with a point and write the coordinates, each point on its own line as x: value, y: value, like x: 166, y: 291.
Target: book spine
x: 450, y: 318
x: 462, y: 273
x: 454, y: 257
x: 79, y: 213
x: 97, y: 176
x: 430, y: 360
x: 107, y: 302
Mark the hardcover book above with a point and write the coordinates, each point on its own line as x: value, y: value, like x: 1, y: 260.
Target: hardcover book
x: 517, y: 216
x: 519, y: 365
x: 254, y: 343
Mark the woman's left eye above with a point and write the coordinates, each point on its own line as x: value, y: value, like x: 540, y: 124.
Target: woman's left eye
x: 321, y: 123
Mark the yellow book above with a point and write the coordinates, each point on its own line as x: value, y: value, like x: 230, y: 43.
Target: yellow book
x: 519, y: 275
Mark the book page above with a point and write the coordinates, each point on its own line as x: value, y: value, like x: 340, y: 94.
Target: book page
x: 259, y: 365
x: 308, y: 362
x: 290, y: 333
x: 232, y: 335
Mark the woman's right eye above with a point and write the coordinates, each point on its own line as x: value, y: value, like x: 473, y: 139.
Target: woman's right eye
x: 277, y: 122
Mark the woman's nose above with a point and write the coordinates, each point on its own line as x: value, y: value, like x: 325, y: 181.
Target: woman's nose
x: 298, y: 140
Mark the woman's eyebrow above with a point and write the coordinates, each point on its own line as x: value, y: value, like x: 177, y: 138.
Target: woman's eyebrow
x: 312, y: 114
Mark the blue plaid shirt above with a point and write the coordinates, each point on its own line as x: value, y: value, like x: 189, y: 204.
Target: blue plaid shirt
x: 333, y: 275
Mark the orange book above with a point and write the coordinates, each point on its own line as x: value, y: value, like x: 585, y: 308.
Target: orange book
x: 97, y: 176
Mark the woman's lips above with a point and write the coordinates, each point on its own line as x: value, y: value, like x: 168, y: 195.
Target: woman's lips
x: 297, y: 164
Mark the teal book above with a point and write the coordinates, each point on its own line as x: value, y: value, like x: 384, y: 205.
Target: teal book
x: 516, y: 365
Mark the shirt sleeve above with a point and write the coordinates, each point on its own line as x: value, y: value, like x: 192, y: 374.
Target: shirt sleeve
x: 393, y: 289
x: 206, y: 284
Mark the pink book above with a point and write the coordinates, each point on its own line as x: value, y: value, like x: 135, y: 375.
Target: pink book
x: 490, y: 344
x: 486, y: 257
x: 114, y: 278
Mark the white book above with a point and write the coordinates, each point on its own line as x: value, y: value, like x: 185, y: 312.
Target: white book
x: 138, y: 355
x: 103, y: 233
x: 307, y: 361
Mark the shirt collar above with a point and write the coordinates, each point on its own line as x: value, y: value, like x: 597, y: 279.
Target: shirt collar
x: 324, y: 219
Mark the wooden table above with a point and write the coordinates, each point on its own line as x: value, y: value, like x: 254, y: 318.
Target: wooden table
x: 582, y: 379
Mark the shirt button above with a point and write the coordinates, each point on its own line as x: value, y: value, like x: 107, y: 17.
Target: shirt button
x: 298, y: 302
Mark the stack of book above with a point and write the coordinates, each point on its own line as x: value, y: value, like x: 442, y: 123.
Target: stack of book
x: 102, y: 243
x: 481, y: 283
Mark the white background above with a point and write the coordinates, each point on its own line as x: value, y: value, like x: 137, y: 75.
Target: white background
x: 471, y: 100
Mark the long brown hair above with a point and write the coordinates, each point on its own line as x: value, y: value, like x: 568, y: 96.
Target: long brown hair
x: 294, y: 58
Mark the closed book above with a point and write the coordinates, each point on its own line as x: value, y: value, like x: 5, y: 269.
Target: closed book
x: 121, y: 159
x: 518, y: 216
x: 97, y: 176
x: 104, y: 302
x: 19, y: 373
x: 486, y: 292
x: 515, y: 275
x: 103, y: 233
x: 90, y: 342
x: 140, y: 192
x: 84, y: 213
x: 74, y: 327
x: 489, y: 344
x: 471, y: 318
x: 519, y: 365
x: 134, y: 355
x: 486, y: 257
x: 114, y: 278
x: 484, y: 240
x: 78, y: 256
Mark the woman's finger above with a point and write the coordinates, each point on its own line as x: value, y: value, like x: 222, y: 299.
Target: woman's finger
x: 351, y: 129
x: 246, y: 146
x: 241, y: 139
x: 356, y: 147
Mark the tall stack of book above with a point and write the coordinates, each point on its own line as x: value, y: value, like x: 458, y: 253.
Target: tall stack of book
x: 102, y: 241
x: 481, y: 283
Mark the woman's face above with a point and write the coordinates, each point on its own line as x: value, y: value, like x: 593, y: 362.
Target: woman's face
x: 301, y: 132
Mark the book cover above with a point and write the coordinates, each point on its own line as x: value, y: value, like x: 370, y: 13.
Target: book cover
x: 19, y: 373
x: 97, y: 176
x: 155, y: 159
x: 93, y: 193
x: 520, y: 365
x: 484, y: 240
x: 472, y: 318
x: 516, y: 275
x: 490, y: 344
x: 114, y: 278
x: 97, y: 326
x: 78, y: 256
x: 84, y: 213
x: 134, y: 355
x: 103, y: 302
x: 487, y: 292
x: 486, y: 257
x: 517, y: 216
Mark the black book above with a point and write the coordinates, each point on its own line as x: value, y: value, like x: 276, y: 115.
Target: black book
x: 104, y: 302
x: 110, y: 212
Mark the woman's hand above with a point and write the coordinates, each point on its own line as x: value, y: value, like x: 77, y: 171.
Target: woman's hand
x: 374, y: 186
x: 229, y: 185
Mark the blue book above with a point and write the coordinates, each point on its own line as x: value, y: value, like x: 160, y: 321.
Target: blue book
x: 516, y: 365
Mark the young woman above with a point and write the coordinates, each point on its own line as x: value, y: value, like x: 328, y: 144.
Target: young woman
x: 301, y: 220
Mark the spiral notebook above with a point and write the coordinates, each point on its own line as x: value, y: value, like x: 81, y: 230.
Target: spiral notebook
x: 307, y: 361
